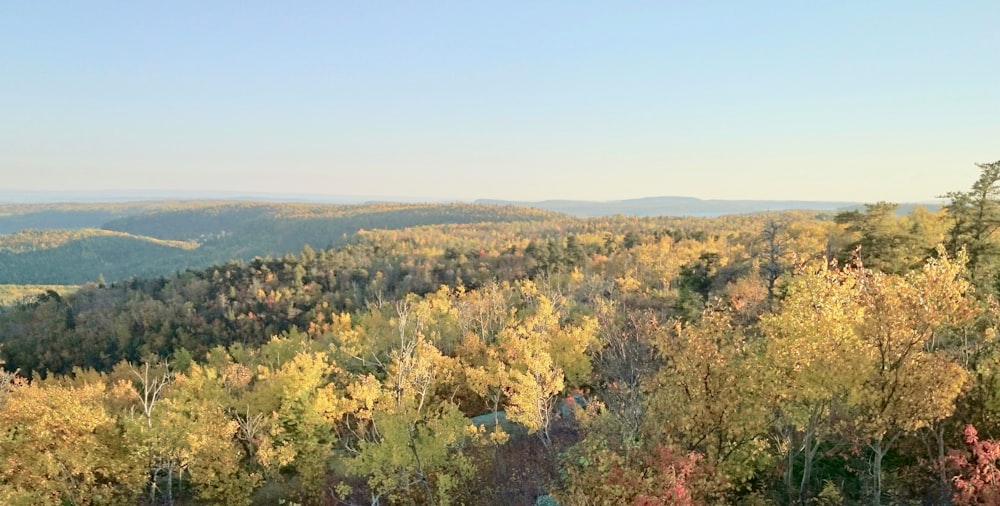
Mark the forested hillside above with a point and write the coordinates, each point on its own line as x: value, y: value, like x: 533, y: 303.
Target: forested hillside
x: 18, y: 217
x: 152, y: 239
x: 778, y: 358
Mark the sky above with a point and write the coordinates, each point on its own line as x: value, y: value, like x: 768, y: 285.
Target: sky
x: 521, y: 100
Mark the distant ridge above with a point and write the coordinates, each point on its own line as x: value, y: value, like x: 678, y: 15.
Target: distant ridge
x: 647, y: 206
x: 69, y: 244
x: 10, y: 196
x: 673, y: 206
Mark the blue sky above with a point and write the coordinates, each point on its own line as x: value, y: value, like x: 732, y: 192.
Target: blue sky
x: 858, y: 101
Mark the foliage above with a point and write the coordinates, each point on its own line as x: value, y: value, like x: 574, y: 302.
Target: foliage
x: 977, y: 479
x: 503, y: 356
x: 975, y: 217
x: 156, y: 240
x: 60, y: 444
x: 701, y: 398
x: 660, y: 476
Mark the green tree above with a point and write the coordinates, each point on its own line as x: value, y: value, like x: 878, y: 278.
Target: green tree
x: 975, y: 216
x: 883, y: 240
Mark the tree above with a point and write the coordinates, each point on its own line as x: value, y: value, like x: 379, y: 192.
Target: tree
x: 883, y: 240
x: 483, y: 314
x: 975, y: 216
x: 908, y: 387
x: 660, y: 476
x: 541, y: 353
x: 146, y: 388
x: 302, y: 410
x: 534, y: 381
x: 60, y: 445
x: 196, y: 432
x: 773, y: 246
x: 625, y: 359
x: 865, y: 340
x: 410, y: 442
x: 701, y: 396
x: 814, y: 351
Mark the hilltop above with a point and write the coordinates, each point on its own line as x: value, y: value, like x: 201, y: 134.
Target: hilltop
x: 77, y: 243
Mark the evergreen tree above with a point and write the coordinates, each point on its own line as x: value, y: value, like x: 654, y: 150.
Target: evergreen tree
x: 975, y: 215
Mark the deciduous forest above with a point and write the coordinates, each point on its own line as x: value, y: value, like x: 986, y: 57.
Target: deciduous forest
x: 498, y: 356
x: 77, y: 243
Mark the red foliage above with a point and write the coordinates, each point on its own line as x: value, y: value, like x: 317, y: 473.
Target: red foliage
x: 662, y: 476
x: 978, y: 478
x: 665, y: 480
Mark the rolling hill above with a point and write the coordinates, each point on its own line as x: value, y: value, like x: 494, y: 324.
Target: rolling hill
x: 151, y: 239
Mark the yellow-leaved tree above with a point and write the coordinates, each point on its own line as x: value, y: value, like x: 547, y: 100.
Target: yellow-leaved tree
x: 712, y: 395
x: 862, y: 345
x: 411, y: 440
x: 909, y: 383
x: 541, y: 353
x: 301, y: 409
x: 813, y: 349
x: 59, y: 445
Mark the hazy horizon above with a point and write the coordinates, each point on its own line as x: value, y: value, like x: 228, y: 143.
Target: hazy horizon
x: 15, y: 195
x: 9, y: 196
x: 855, y: 102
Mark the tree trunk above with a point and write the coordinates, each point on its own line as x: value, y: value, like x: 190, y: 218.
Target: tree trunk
x: 170, y: 484
x: 809, y: 447
x: 944, y: 488
x: 876, y: 470
x: 788, y: 476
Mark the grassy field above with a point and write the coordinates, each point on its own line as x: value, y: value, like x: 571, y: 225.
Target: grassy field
x: 13, y: 293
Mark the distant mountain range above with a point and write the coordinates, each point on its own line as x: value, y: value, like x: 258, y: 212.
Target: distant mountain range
x: 674, y: 206
x: 649, y: 206
x: 9, y: 196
